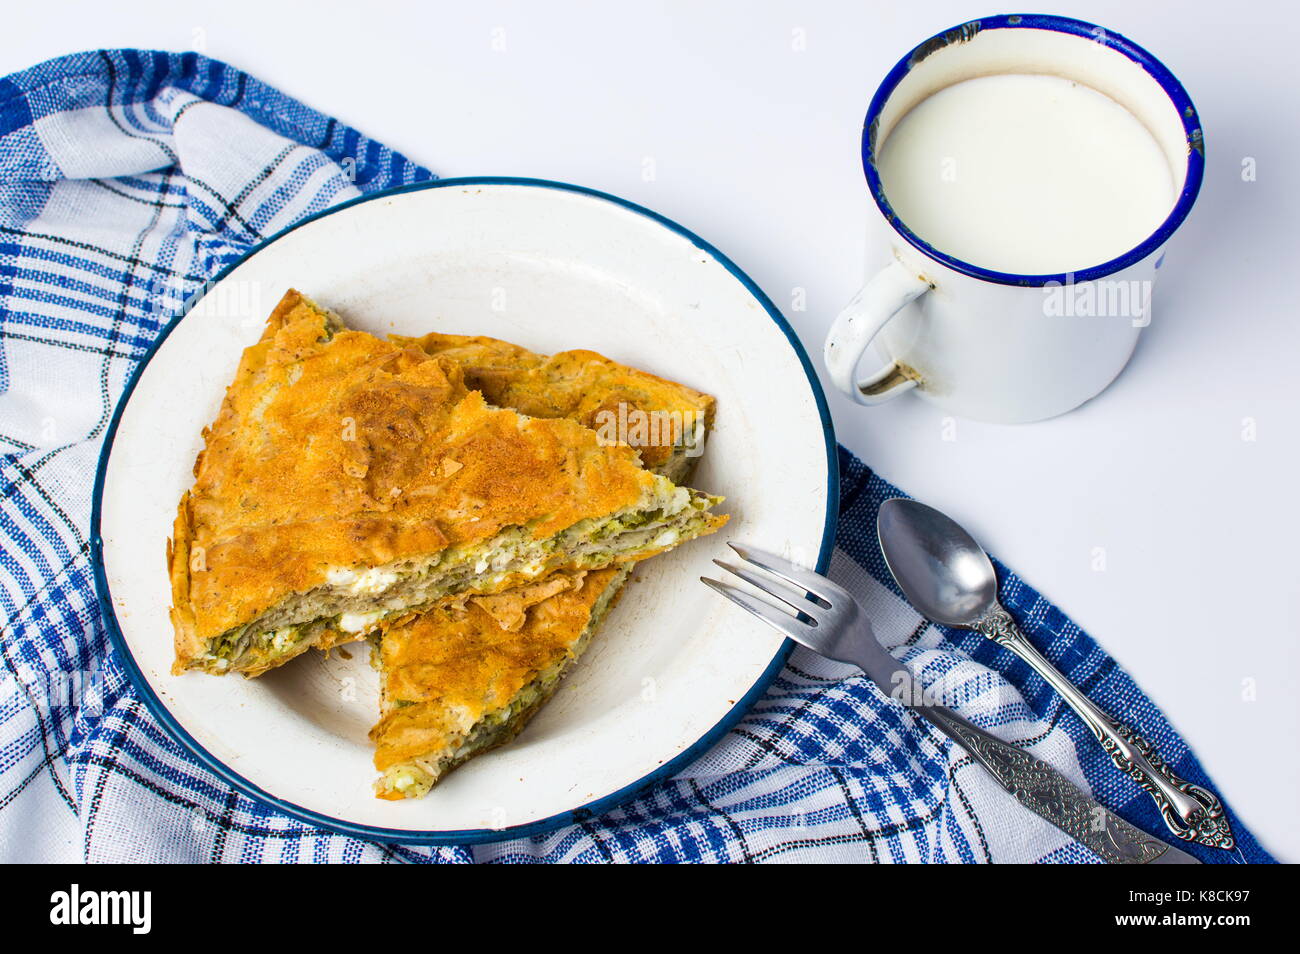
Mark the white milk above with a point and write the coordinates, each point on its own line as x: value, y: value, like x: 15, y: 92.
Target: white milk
x: 1029, y: 174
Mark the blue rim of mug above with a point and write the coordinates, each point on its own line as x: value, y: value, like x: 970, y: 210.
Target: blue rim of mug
x: 967, y: 31
x: 468, y: 836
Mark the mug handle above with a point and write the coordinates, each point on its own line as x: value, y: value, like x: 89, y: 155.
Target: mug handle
x: 861, y: 320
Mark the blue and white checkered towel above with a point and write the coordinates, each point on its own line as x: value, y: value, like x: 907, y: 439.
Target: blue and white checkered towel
x: 127, y: 179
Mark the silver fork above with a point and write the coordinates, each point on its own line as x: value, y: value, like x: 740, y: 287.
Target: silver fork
x: 823, y: 616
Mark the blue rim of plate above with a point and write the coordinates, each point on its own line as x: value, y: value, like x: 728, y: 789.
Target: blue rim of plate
x: 468, y: 836
x: 964, y: 32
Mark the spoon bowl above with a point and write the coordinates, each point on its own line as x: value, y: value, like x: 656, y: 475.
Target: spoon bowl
x: 939, y: 567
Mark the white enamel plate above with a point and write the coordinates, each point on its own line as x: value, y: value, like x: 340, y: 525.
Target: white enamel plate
x: 550, y: 267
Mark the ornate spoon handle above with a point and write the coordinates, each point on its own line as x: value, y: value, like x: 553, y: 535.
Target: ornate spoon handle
x: 1192, y: 813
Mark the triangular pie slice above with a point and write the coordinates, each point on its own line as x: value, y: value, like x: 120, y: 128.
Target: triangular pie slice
x: 665, y: 421
x: 347, y: 480
x: 460, y: 680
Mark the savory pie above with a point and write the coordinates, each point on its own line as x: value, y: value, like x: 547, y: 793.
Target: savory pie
x: 459, y: 680
x: 665, y: 421
x: 349, y: 480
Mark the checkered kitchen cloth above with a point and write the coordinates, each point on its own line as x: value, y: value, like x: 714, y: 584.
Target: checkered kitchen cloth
x: 128, y: 179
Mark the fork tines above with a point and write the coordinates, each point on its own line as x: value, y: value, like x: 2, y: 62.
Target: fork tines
x: 803, y: 599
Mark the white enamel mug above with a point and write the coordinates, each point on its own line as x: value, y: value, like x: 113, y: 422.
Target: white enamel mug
x: 992, y: 345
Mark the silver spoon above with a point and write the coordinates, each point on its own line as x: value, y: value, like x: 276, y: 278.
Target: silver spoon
x: 949, y: 578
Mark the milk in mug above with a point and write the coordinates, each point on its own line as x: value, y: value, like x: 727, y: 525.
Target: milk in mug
x: 1026, y: 173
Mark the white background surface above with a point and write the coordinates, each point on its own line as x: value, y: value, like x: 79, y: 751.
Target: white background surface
x: 753, y: 143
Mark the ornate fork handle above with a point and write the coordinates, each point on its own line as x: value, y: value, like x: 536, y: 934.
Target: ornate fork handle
x: 1192, y: 812
x: 1049, y: 794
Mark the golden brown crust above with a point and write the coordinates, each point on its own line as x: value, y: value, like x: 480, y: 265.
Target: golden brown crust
x: 510, y: 609
x: 445, y: 669
x: 452, y: 666
x: 582, y: 386
x: 337, y: 449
